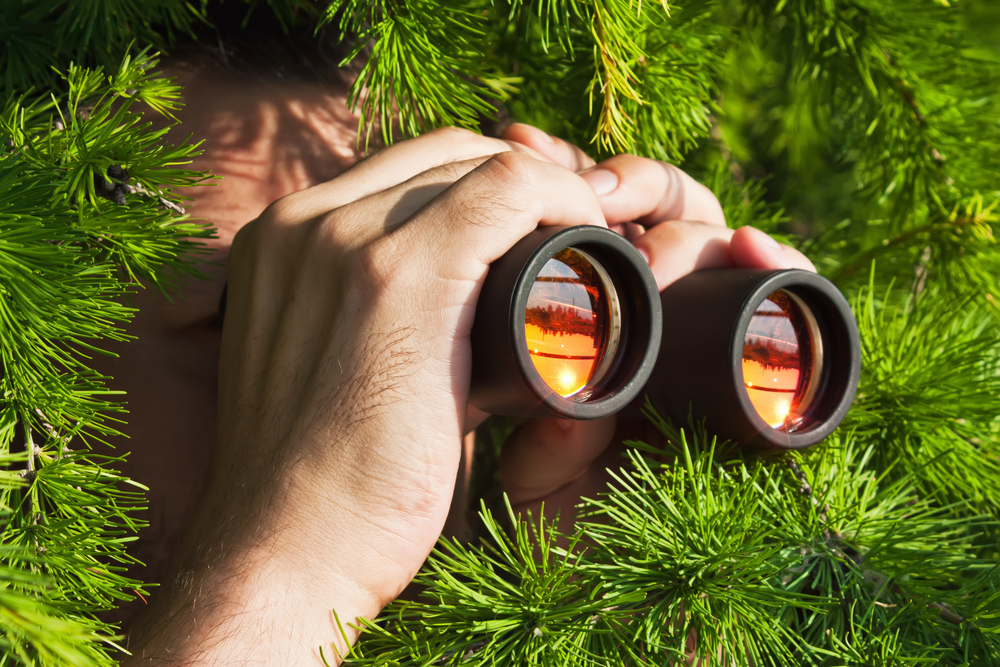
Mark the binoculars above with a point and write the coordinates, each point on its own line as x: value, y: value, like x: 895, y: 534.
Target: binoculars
x: 570, y: 324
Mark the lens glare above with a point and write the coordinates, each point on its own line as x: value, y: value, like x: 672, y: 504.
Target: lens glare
x: 782, y: 351
x: 571, y: 322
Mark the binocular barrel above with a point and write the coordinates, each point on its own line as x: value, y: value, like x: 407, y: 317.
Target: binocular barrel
x: 768, y: 358
x: 570, y: 324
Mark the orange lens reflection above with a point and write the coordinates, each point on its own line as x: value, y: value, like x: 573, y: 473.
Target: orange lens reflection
x: 778, y: 361
x: 568, y: 322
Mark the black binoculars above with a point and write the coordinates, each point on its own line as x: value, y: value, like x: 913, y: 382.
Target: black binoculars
x: 570, y: 324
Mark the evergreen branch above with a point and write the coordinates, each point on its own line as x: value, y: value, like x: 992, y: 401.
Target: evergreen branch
x: 67, y: 257
x: 409, y: 79
x: 865, y: 258
x: 613, y: 51
x: 929, y: 383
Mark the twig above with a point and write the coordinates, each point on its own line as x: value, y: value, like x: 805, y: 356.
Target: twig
x: 142, y: 191
x: 30, y: 446
x: 805, y: 489
x: 835, y: 540
x: 864, y: 258
x: 469, y: 652
x: 54, y: 435
x: 949, y: 615
x: 921, y: 271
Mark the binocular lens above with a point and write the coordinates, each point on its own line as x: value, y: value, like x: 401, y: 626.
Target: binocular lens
x: 572, y: 323
x: 782, y: 358
x: 568, y: 325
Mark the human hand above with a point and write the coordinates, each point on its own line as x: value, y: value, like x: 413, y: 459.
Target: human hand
x: 678, y: 225
x: 342, y: 392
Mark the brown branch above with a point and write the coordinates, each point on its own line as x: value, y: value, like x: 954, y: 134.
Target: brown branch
x: 140, y: 190
x: 63, y: 441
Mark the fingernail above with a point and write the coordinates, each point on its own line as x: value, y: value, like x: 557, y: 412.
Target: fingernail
x: 602, y: 180
x: 565, y: 424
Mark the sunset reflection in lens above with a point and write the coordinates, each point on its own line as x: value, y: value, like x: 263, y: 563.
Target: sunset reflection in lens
x: 571, y: 322
x: 781, y: 352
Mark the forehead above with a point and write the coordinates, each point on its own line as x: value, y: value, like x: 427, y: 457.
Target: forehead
x: 263, y: 138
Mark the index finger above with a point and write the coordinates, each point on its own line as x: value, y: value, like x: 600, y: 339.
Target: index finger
x: 553, y: 148
x: 637, y: 189
x: 389, y: 167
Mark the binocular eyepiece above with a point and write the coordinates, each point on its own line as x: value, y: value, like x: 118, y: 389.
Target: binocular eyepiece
x: 570, y: 324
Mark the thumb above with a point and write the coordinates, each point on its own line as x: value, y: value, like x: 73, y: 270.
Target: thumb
x: 545, y: 455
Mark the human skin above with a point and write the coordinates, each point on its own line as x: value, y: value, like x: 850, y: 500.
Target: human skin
x: 340, y: 409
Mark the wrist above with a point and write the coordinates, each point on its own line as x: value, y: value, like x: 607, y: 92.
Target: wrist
x: 254, y: 606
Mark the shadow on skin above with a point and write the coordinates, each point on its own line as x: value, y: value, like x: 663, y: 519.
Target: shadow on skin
x: 266, y: 139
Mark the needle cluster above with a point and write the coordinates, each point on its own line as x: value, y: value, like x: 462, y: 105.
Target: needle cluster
x: 864, y: 132
x: 79, y: 232
x: 701, y: 553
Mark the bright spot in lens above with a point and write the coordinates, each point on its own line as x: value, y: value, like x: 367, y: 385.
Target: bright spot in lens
x: 567, y: 381
x: 781, y: 410
x: 777, y: 360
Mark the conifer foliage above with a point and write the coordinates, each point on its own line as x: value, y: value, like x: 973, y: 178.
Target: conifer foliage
x: 86, y: 212
x: 865, y: 132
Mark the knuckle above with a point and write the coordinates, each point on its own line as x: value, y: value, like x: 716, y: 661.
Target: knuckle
x: 712, y: 204
x: 280, y: 210
x: 671, y: 176
x: 510, y: 169
x: 453, y: 134
x: 459, y: 141
x: 244, y: 239
x: 333, y: 229
x: 492, y: 200
x: 379, y: 263
x: 453, y: 171
x: 271, y: 227
x: 448, y: 172
x: 494, y: 195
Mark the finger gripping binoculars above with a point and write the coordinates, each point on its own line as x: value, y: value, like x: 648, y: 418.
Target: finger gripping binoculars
x: 570, y: 325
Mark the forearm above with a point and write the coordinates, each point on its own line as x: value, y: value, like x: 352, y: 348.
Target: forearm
x: 264, y: 605
x: 257, y: 579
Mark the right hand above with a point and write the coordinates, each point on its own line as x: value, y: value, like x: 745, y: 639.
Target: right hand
x: 343, y: 385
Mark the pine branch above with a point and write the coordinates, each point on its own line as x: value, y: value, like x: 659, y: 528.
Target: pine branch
x: 930, y: 230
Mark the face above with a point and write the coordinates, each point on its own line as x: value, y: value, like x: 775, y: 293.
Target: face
x: 265, y: 139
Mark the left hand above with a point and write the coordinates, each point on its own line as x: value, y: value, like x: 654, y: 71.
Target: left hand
x: 678, y: 225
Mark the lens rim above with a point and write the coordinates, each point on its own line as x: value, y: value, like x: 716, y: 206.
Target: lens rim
x: 610, y: 354
x: 836, y: 385
x: 504, y: 380
x: 815, y: 350
x: 640, y: 317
